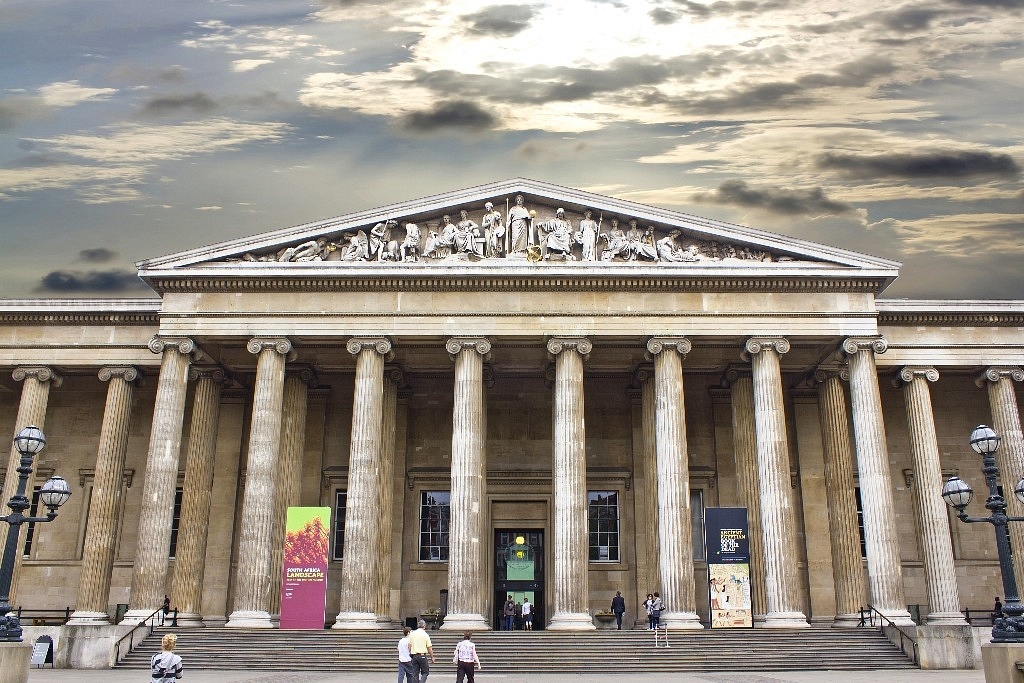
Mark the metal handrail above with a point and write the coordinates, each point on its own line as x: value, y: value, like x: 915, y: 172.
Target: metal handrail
x: 27, y: 613
x: 131, y: 641
x: 886, y: 621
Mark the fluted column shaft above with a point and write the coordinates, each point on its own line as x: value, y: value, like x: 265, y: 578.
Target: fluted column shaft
x: 259, y: 502
x: 465, y: 547
x: 570, y: 585
x: 885, y: 577
x: 649, y: 457
x: 744, y: 437
x: 35, y: 394
x: 360, y: 576
x: 104, y: 506
x: 297, y: 382
x: 190, y: 555
x: 389, y: 421
x: 675, y: 533
x: 149, y: 575
x: 847, y: 565
x: 778, y: 517
x: 1002, y: 400
x: 933, y: 522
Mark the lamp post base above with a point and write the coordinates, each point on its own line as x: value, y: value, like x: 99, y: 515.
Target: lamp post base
x: 1000, y: 660
x: 14, y: 662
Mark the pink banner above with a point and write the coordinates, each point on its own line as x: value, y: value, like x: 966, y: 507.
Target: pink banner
x: 304, y: 572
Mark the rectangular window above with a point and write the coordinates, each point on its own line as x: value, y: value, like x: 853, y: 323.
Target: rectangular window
x: 860, y: 523
x: 340, y: 501
x: 697, y: 523
x: 435, y: 510
x: 176, y: 520
x: 30, y: 534
x: 603, y: 516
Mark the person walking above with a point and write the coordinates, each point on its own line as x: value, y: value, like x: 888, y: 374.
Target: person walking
x: 618, y: 609
x: 649, y: 607
x: 405, y: 658
x: 656, y: 609
x: 466, y: 659
x: 422, y: 652
x: 165, y: 609
x: 165, y: 666
x: 527, y: 615
x: 509, y: 612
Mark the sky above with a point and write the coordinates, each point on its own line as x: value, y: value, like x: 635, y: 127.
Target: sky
x: 131, y: 130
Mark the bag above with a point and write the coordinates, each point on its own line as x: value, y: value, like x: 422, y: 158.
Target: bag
x: 656, y: 613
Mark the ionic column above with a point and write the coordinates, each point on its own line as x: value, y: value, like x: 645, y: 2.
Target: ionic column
x: 649, y: 576
x: 466, y: 562
x: 1002, y: 399
x: 847, y: 565
x: 149, y: 574
x: 885, y: 576
x: 675, y: 534
x: 936, y: 546
x: 360, y: 577
x: 389, y: 420
x: 781, y: 573
x: 104, y: 506
x: 35, y: 393
x: 570, y: 586
x: 744, y: 439
x: 297, y: 383
x: 259, y: 502
x: 190, y: 556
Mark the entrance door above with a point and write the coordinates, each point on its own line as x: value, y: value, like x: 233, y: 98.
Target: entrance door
x: 519, y: 572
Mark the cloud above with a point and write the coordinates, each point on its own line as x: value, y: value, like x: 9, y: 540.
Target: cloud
x: 503, y: 21
x: 97, y: 255
x: 196, y: 103
x: 548, y: 151
x: 812, y: 202
x: 660, y: 15
x: 956, y: 164
x: 100, y: 281
x: 454, y: 115
x: 70, y: 93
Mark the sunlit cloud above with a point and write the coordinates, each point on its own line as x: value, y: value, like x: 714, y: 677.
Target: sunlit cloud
x: 70, y: 93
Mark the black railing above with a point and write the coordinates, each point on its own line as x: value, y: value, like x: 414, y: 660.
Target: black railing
x: 149, y: 622
x: 979, y: 617
x: 871, y: 617
x: 43, y: 617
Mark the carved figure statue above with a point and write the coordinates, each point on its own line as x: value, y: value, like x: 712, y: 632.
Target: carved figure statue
x: 466, y: 232
x: 380, y: 240
x: 616, y: 240
x: 410, y: 248
x: 668, y: 250
x: 587, y: 236
x: 358, y: 247
x: 435, y: 244
x: 494, y: 231
x: 559, y: 235
x: 639, y: 243
x: 518, y: 225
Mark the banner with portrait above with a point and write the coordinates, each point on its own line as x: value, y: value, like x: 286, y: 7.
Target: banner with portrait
x: 728, y: 553
x: 304, y: 569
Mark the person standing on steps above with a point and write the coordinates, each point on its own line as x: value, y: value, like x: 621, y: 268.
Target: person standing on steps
x: 527, y: 615
x: 165, y: 609
x: 466, y: 659
x: 509, y: 612
x: 656, y: 607
x: 422, y: 651
x: 405, y: 674
x: 618, y: 609
x: 649, y: 607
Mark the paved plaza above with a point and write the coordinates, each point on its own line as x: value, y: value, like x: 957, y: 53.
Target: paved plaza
x: 447, y: 673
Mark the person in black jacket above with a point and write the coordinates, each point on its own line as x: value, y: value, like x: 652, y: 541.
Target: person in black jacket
x: 619, y: 608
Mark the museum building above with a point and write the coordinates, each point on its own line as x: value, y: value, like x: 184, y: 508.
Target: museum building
x: 513, y: 365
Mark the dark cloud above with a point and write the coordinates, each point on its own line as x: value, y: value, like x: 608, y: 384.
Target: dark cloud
x: 726, y: 8
x: 663, y: 16
x: 106, y: 281
x: 34, y: 161
x: 910, y: 19
x: 811, y: 202
x: 15, y: 110
x: 932, y: 165
x: 1009, y: 4
x: 500, y: 20
x: 454, y: 115
x: 198, y: 103
x: 97, y: 255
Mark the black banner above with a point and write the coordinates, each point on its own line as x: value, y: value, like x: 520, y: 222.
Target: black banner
x: 728, y: 550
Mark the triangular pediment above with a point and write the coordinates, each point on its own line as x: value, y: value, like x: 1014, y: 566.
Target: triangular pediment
x: 549, y: 227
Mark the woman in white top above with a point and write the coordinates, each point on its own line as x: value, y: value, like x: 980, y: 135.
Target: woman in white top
x: 165, y: 665
x: 465, y: 657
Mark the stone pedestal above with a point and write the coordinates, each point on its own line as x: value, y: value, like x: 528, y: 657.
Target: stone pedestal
x: 92, y: 647
x: 1000, y: 661
x: 946, y: 647
x: 14, y: 662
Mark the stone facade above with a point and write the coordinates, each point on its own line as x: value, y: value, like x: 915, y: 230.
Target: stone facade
x: 519, y: 382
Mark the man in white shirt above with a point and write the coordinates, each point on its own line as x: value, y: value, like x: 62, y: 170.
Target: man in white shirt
x: 405, y: 674
x: 527, y: 615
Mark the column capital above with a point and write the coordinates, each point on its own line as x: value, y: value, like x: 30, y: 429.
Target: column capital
x: 126, y: 372
x: 303, y: 373
x: 756, y: 345
x: 822, y: 373
x: 854, y: 345
x: 643, y: 373
x: 735, y: 372
x: 656, y: 345
x: 581, y: 345
x: 281, y: 345
x: 490, y: 377
x: 395, y: 373
x: 184, y: 345
x: 214, y: 372
x: 40, y: 372
x: 997, y: 372
x: 381, y: 345
x: 457, y: 344
x: 907, y: 374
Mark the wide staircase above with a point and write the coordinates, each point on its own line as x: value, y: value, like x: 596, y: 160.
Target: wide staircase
x: 522, y: 652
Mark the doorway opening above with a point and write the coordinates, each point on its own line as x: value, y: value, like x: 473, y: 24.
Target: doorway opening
x: 519, y: 572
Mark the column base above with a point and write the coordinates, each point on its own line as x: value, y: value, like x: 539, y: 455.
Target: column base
x: 785, y: 620
x: 846, y: 621
x: 465, y: 622
x: 249, y: 619
x: 356, y: 621
x: 190, y: 620
x: 681, y: 621
x: 87, y: 618
x: 571, y: 621
x: 945, y: 619
x: 134, y: 617
x: 900, y: 617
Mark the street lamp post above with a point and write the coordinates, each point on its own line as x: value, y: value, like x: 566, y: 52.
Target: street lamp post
x: 54, y: 493
x: 1010, y: 627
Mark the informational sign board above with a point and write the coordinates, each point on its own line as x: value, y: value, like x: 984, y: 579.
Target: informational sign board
x: 728, y: 551
x: 42, y: 652
x: 304, y: 570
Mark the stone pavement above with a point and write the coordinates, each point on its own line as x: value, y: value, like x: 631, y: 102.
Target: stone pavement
x: 443, y: 673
